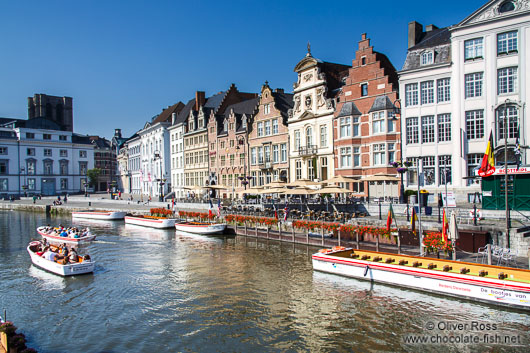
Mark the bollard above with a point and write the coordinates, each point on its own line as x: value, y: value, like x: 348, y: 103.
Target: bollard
x: 377, y: 243
x: 89, y: 204
x: 474, y: 214
x: 357, y: 239
x: 339, y: 236
x: 280, y: 230
x: 488, y: 249
x: 380, y: 218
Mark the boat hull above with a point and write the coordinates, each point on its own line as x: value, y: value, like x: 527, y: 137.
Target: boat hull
x: 61, y: 270
x: 67, y: 240
x: 151, y: 222
x: 105, y: 215
x: 501, y: 292
x: 204, y: 229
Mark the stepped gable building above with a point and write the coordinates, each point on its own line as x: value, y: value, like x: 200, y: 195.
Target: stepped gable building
x: 56, y: 109
x: 311, y: 119
x: 365, y: 128
x: 155, y: 153
x: 228, y: 139
x: 269, y: 137
x: 459, y: 84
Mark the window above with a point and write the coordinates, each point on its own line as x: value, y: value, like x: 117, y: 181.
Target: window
x: 223, y: 161
x: 506, y: 6
x: 444, y: 89
x: 323, y: 136
x: 83, y: 167
x: 507, y: 80
x: 232, y: 143
x: 510, y: 113
x: 30, y: 166
x: 232, y: 160
x: 412, y: 130
x: 82, y: 154
x: 4, y: 167
x: 275, y: 153
x: 63, y: 153
x: 244, y: 123
x: 427, y: 129
x: 309, y: 136
x: 253, y: 156
x: 3, y: 185
x: 47, y: 152
x: 31, y: 183
x: 47, y: 136
x: 411, y: 94
x: 345, y: 127
x: 274, y: 126
x: 475, y: 124
x: 474, y: 160
x: 283, y: 152
x: 267, y: 128
x: 191, y: 125
x: 391, y: 152
x: 297, y: 139
x: 225, y: 128
x: 444, y: 165
x: 345, y: 157
x: 356, y: 156
x: 241, y: 159
x: 267, y: 152
x: 222, y: 144
x: 364, y: 89
x: 310, y: 169
x: 429, y: 170
x: 427, y: 58
x: 266, y: 109
x: 412, y: 173
x: 30, y: 135
x: 298, y: 170
x: 260, y: 129
x: 427, y: 92
x: 473, y: 49
x: 507, y: 42
x: 473, y: 85
x: 62, y: 137
x: 378, y: 154
x: 48, y: 167
x: 355, y: 129
x: 201, y: 122
x: 444, y: 127
x: 3, y: 151
x: 260, y: 155
x: 63, y: 165
x: 64, y: 184
x: 363, y: 60
x: 378, y: 122
x: 391, y: 121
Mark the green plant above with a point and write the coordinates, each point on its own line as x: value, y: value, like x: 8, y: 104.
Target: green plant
x: 93, y: 176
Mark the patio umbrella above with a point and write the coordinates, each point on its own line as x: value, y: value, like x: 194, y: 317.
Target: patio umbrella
x: 275, y: 184
x: 251, y: 191
x: 194, y: 187
x: 299, y: 191
x: 341, y: 179
x: 216, y: 187
x: 331, y: 190
x: 380, y: 177
x: 303, y: 182
x: 272, y: 191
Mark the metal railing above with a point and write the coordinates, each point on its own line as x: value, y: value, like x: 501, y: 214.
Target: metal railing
x: 307, y: 150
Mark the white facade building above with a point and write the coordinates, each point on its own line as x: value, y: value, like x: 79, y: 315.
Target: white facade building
x: 176, y: 132
x: 311, y: 119
x: 43, y: 161
x: 456, y: 85
x: 134, y: 148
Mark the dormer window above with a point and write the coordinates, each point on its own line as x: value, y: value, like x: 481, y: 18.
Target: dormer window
x: 191, y: 125
x: 506, y: 6
x: 225, y: 127
x: 266, y: 109
x: 244, y: 123
x: 427, y: 58
x: 201, y: 122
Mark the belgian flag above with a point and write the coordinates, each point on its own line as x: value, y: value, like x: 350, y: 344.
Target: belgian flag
x: 389, y: 218
x: 487, y: 167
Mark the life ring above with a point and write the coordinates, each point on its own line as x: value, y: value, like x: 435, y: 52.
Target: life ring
x: 338, y: 248
x: 472, y: 214
x: 34, y: 243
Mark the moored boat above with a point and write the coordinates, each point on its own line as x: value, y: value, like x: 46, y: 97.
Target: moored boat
x: 82, y: 266
x: 200, y: 228
x: 151, y: 221
x: 492, y: 284
x: 106, y: 215
x: 53, y: 235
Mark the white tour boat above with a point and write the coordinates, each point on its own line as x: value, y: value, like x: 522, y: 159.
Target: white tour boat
x: 54, y: 236
x: 151, y: 221
x: 70, y: 269
x: 201, y: 228
x: 105, y: 215
x: 492, y: 284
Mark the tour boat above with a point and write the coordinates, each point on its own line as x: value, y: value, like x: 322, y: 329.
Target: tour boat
x: 105, y: 215
x: 55, y: 237
x: 492, y: 284
x: 201, y: 228
x: 151, y: 221
x: 70, y: 269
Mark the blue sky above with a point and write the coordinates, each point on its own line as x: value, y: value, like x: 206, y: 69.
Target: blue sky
x: 123, y: 61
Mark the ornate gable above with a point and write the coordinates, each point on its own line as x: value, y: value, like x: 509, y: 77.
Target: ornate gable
x: 496, y: 9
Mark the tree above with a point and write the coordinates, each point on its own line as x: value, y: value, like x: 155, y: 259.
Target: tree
x: 93, y: 176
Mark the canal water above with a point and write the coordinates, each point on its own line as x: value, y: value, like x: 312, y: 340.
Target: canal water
x: 157, y: 290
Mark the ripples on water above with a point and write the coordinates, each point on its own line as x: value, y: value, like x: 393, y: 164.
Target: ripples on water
x: 154, y: 290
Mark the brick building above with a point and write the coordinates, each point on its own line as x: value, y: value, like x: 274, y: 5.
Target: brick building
x: 269, y: 137
x: 228, y: 139
x: 365, y: 128
x: 104, y: 159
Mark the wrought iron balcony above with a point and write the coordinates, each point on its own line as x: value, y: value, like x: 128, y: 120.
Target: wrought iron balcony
x: 265, y: 164
x: 307, y: 151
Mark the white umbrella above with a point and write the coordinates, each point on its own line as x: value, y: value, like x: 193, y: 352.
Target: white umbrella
x: 331, y: 190
x: 303, y: 182
x: 272, y: 191
x: 453, y: 229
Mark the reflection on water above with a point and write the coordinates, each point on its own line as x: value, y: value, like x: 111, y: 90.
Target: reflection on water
x: 161, y: 290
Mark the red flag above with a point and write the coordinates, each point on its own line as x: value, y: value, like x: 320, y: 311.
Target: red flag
x: 445, y: 226
x: 487, y: 167
x: 389, y: 218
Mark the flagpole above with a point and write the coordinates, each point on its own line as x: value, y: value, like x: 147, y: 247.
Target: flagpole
x: 506, y: 174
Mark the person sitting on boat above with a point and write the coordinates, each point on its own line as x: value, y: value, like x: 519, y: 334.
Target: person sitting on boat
x: 63, y: 233
x: 73, y: 256
x: 63, y: 250
x: 50, y: 255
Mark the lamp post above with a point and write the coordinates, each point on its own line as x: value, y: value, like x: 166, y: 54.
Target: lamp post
x: 24, y: 186
x: 397, y: 111
x: 241, y: 141
x: 506, y: 102
x: 158, y: 157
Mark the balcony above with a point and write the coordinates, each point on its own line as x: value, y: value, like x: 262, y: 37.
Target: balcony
x: 267, y: 164
x: 307, y: 151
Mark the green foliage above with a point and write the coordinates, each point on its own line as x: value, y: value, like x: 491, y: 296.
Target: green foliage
x: 93, y: 175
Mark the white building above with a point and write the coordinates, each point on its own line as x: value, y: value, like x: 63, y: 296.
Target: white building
x: 455, y: 85
x: 42, y: 161
x: 311, y: 119
x: 176, y: 131
x: 134, y: 148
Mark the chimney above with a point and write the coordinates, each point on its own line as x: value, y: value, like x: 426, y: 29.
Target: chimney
x: 199, y: 99
x: 173, y: 118
x: 430, y: 28
x: 415, y: 31
x: 279, y: 90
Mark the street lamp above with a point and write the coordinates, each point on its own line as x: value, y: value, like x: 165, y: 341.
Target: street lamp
x: 397, y: 111
x: 241, y: 141
x: 158, y: 157
x: 24, y: 186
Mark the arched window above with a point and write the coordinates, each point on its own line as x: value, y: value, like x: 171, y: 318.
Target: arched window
x: 225, y: 128
x: 507, y: 123
x: 309, y: 136
x: 506, y: 6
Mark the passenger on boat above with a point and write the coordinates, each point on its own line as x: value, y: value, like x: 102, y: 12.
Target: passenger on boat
x: 63, y: 250
x: 50, y: 255
x: 64, y: 233
x: 73, y: 256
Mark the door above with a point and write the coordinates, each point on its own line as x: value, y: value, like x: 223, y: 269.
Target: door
x: 48, y: 186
